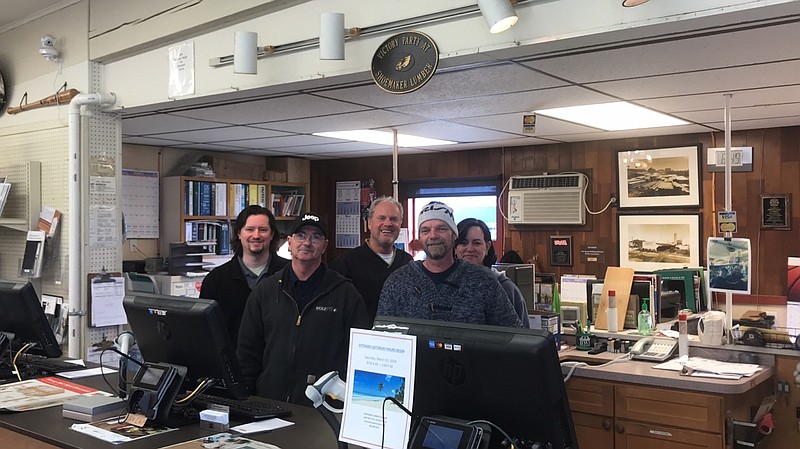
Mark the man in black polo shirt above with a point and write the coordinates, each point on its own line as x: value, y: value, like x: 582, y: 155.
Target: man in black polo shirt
x: 296, y: 324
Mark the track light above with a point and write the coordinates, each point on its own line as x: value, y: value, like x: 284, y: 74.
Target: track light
x: 332, y: 34
x: 630, y: 3
x: 499, y: 14
x: 245, y: 50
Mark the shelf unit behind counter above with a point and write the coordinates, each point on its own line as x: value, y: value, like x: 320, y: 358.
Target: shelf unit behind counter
x: 200, y: 208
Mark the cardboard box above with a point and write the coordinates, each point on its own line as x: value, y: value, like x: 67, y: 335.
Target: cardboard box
x: 188, y: 286
x: 233, y: 169
x: 547, y: 321
x: 296, y: 169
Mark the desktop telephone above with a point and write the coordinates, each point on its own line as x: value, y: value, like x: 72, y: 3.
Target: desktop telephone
x: 654, y: 349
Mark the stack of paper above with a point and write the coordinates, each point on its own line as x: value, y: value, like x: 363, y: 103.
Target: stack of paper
x: 701, y: 367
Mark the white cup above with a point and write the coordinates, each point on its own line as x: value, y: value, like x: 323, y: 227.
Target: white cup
x: 711, y: 328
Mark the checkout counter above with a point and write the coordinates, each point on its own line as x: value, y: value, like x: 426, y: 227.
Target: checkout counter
x: 630, y: 404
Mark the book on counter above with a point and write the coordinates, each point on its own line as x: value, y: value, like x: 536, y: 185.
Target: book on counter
x: 93, y: 408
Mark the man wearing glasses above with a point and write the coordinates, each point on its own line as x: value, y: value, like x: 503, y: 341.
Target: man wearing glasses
x: 296, y: 324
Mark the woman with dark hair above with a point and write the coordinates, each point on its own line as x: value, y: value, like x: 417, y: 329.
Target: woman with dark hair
x: 474, y: 245
x: 255, y: 243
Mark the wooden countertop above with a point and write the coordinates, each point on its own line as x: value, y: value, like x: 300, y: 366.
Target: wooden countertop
x: 643, y: 373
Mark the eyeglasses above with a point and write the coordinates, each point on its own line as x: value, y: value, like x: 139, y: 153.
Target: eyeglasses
x: 302, y: 237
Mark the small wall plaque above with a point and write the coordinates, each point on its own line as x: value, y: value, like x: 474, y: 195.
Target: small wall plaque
x: 775, y: 212
x: 561, y: 250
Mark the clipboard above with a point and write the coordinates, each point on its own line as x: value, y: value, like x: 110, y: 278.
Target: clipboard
x: 105, y: 294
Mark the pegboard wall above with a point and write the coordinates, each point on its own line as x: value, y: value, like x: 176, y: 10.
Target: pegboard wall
x: 104, y: 162
x: 48, y: 147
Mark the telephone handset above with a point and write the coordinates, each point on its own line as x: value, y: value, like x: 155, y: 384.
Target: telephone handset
x: 654, y: 349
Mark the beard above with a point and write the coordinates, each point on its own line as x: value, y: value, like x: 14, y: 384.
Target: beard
x: 436, y: 249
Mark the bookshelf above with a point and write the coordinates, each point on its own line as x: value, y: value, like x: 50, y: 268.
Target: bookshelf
x: 21, y: 211
x: 195, y: 209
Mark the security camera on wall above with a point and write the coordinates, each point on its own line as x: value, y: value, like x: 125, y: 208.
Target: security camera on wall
x: 48, y: 49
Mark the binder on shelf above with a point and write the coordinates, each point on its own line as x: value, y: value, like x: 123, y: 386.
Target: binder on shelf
x: 5, y: 188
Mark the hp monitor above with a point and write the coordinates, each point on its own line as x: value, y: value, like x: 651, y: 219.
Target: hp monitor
x: 508, y: 376
x: 188, y: 332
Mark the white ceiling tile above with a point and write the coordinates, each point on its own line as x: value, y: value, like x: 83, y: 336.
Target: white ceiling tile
x: 163, y: 123
x: 344, y: 122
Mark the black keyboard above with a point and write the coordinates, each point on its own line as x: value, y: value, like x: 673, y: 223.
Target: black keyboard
x: 252, y: 408
x: 51, y: 365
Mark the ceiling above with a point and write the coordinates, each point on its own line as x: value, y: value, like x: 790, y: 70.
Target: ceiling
x: 479, y: 102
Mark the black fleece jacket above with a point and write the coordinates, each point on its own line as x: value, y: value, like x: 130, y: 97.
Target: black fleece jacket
x: 228, y: 286
x: 281, y: 350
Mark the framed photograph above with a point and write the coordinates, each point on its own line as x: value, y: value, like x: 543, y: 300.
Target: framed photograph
x: 654, y: 242
x: 775, y: 212
x: 729, y: 265
x: 659, y: 177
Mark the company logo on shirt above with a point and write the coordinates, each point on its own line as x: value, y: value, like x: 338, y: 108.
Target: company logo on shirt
x: 328, y: 309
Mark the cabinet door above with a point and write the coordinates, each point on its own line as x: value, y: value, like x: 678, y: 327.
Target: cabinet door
x: 593, y: 431
x: 633, y: 435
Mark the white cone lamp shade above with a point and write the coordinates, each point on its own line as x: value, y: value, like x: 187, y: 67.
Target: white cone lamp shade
x: 331, y: 36
x: 499, y: 14
x: 245, y: 52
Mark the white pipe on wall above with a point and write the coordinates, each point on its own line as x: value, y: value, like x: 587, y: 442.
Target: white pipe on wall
x: 75, y: 249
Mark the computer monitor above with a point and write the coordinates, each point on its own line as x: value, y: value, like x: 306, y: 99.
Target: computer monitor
x: 189, y: 332
x: 22, y: 315
x: 508, y: 376
x: 523, y: 275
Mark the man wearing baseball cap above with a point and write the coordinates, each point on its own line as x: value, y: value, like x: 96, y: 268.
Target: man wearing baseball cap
x: 442, y: 287
x: 296, y: 324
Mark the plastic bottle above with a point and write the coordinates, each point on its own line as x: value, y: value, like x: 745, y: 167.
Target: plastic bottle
x: 613, y: 324
x: 683, y: 335
x: 643, y: 325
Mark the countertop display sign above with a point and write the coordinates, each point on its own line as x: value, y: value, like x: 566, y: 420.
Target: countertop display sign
x: 775, y: 213
x: 561, y: 250
x: 405, y: 62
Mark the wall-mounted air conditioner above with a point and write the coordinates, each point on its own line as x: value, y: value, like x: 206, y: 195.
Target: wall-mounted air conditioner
x: 546, y: 199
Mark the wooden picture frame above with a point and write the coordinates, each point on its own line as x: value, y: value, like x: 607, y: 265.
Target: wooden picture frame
x: 657, y: 241
x: 659, y: 177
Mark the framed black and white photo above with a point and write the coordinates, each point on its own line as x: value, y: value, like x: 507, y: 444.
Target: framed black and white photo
x: 659, y: 177
x: 653, y: 242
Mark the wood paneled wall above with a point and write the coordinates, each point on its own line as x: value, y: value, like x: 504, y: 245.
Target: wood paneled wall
x: 776, y: 170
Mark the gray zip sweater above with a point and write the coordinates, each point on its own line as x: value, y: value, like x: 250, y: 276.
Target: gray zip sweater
x: 470, y: 294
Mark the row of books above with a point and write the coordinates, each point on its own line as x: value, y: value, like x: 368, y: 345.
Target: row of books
x: 287, y: 204
x: 215, y: 234
x: 205, y: 198
x: 220, y: 199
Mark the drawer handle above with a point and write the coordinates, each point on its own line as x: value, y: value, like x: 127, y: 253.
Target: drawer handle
x: 606, y: 425
x: 661, y: 433
x: 620, y: 428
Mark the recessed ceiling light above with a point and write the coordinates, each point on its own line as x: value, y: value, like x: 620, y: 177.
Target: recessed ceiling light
x: 384, y: 138
x: 617, y: 116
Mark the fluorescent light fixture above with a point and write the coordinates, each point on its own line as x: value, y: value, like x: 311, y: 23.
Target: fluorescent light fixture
x: 617, y: 116
x: 384, y: 138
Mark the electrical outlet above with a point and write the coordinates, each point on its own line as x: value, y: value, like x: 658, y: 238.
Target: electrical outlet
x: 131, y: 245
x: 614, y: 200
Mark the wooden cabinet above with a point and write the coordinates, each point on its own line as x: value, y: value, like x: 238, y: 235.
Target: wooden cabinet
x: 626, y: 416
x: 195, y: 208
